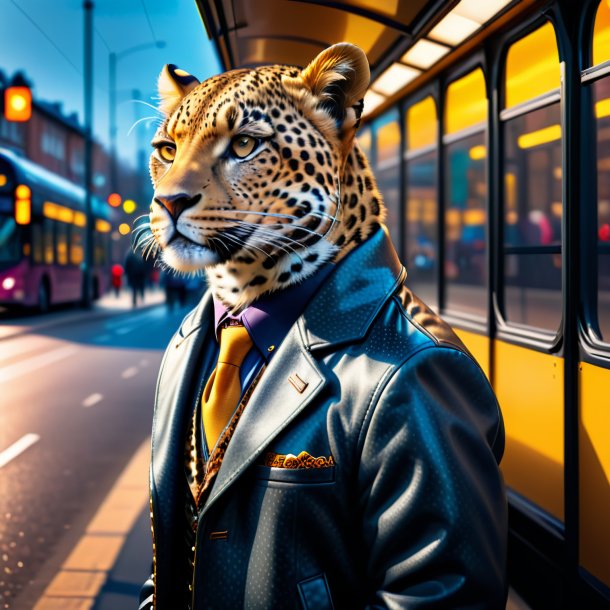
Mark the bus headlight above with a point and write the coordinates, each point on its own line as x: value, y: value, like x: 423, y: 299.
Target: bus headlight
x: 8, y: 283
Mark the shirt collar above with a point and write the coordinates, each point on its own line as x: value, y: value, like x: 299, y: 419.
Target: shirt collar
x: 270, y: 317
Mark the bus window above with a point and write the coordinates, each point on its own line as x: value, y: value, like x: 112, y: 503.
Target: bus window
x: 101, y: 247
x: 533, y: 185
x: 76, y: 245
x: 37, y: 248
x: 601, y: 93
x: 61, y: 243
x: 9, y: 239
x: 601, y: 34
x: 48, y: 241
x: 386, y: 169
x: 421, y: 201
x: 601, y: 107
x: 465, y: 152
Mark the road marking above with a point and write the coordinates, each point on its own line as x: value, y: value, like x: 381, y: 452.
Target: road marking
x: 18, y: 448
x: 92, y: 400
x: 132, y: 371
x: 84, y: 572
x: 37, y: 362
x: 13, y: 349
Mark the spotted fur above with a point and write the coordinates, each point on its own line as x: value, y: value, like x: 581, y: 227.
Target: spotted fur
x: 304, y: 196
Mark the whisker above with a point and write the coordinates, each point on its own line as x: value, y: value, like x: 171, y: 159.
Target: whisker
x: 253, y: 224
x: 245, y: 245
x: 146, y: 118
x: 147, y: 104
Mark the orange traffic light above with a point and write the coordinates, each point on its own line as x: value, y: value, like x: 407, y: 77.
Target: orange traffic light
x: 17, y: 104
x: 115, y: 200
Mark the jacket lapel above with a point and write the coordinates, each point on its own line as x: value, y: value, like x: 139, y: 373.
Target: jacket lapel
x: 340, y: 313
x: 291, y: 382
x: 177, y: 383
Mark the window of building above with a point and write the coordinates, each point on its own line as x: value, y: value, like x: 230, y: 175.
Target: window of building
x: 387, y: 169
x: 533, y: 183
x: 53, y: 143
x: 421, y: 227
x: 465, y: 223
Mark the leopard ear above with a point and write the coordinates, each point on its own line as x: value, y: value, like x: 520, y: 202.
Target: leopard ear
x: 337, y: 79
x: 173, y: 85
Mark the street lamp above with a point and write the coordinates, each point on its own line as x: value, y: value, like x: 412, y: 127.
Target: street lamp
x: 113, y: 59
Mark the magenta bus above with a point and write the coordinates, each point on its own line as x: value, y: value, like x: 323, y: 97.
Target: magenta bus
x: 42, y: 237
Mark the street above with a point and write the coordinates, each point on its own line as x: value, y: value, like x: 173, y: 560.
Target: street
x: 76, y: 397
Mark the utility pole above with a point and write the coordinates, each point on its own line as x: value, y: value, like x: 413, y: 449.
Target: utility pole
x: 88, y: 104
x: 112, y: 59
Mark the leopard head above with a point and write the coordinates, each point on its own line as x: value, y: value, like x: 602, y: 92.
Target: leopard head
x: 258, y: 179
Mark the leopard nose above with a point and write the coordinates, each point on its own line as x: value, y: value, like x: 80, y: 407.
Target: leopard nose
x: 176, y: 204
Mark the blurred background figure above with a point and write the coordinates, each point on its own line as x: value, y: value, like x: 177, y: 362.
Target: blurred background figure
x: 117, y: 278
x: 175, y: 289
x: 137, y: 270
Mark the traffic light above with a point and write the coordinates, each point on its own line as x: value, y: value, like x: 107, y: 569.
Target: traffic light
x: 17, y: 104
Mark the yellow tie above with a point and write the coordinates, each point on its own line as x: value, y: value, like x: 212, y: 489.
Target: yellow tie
x: 223, y: 389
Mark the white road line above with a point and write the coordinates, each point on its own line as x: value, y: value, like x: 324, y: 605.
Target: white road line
x: 37, y: 362
x: 17, y: 448
x: 19, y: 348
x: 130, y: 372
x: 92, y: 400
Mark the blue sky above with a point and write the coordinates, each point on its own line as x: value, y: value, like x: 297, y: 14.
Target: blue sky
x: 119, y: 25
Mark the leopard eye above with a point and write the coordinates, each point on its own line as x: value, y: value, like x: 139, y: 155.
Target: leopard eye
x: 167, y: 152
x: 242, y: 146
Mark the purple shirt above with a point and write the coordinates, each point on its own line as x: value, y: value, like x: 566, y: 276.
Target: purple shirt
x: 269, y: 319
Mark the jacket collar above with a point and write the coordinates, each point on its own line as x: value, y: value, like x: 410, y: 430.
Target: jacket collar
x: 347, y: 304
x: 341, y: 312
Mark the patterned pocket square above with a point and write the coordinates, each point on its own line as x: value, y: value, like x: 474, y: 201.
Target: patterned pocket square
x: 303, y: 460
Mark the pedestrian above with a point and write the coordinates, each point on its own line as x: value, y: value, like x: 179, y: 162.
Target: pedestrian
x: 321, y: 438
x: 137, y: 270
x: 116, y: 273
x: 175, y: 288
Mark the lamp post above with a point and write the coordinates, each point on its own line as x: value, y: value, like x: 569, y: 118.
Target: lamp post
x: 88, y: 107
x: 113, y: 59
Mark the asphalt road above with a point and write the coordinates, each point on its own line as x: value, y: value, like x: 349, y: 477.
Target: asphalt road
x: 76, y: 395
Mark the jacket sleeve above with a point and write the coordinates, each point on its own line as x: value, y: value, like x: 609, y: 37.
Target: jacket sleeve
x: 431, y: 495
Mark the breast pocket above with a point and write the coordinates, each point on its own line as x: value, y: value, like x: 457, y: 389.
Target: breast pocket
x: 268, y: 475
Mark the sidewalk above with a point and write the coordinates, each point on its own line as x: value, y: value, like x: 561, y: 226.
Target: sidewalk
x: 108, y: 305
x: 133, y: 566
